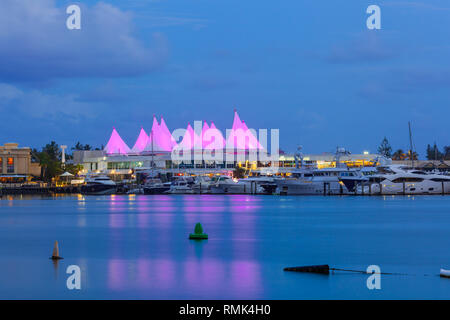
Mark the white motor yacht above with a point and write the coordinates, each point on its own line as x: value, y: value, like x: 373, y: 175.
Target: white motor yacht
x: 180, y: 186
x: 251, y: 185
x: 99, y: 185
x: 202, y: 184
x: 396, y: 180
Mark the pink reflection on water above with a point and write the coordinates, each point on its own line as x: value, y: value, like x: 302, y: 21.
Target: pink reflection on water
x: 207, y: 208
x: 246, y: 276
x: 205, y: 274
x: 143, y: 220
x: 164, y: 274
x: 117, y: 220
x: 244, y: 203
x: 156, y: 203
x: 143, y: 271
x: 117, y: 274
x: 240, y: 278
x: 141, y: 274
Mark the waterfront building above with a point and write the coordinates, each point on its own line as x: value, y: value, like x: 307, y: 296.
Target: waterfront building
x: 16, y: 165
x: 241, y: 148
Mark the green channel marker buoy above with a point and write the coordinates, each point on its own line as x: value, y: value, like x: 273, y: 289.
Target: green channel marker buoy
x: 198, y: 233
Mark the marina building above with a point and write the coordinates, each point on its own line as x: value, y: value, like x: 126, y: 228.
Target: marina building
x: 161, y: 150
x: 15, y: 164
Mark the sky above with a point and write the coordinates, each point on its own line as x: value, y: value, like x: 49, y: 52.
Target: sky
x: 311, y: 69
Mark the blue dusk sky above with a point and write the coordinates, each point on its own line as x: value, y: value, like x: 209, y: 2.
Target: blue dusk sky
x: 310, y: 68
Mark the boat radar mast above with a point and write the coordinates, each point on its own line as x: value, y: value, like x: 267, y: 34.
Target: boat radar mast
x: 298, y: 156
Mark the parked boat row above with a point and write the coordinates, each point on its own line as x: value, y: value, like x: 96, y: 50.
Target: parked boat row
x: 397, y: 180
x: 386, y: 180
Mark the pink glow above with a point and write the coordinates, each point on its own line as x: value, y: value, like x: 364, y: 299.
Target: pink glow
x: 253, y: 142
x: 157, y: 142
x: 204, y: 129
x: 116, y: 145
x: 161, y: 140
x: 166, y: 134
x: 241, y: 137
x: 141, y: 142
x: 190, y: 140
x: 214, y: 133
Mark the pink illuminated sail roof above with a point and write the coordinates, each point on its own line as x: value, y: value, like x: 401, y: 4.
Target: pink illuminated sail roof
x: 116, y: 145
x: 156, y: 141
x: 217, y: 141
x: 141, y: 142
x: 204, y: 129
x: 167, y: 136
x: 253, y: 143
x: 190, y: 140
x: 241, y: 137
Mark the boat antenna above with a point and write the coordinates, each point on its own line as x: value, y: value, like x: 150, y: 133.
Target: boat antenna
x: 411, y: 153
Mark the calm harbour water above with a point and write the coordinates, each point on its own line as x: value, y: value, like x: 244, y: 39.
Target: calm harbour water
x: 137, y: 247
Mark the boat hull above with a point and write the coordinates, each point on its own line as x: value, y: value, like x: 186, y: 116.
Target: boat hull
x: 293, y: 187
x: 156, y: 190
x: 98, y: 189
x: 390, y: 188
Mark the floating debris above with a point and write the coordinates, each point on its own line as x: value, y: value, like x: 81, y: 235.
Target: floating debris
x: 325, y: 269
x: 444, y: 273
x: 55, y: 254
x: 322, y: 269
x: 198, y: 233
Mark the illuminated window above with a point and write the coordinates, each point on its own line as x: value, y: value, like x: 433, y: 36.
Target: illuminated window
x: 10, y: 165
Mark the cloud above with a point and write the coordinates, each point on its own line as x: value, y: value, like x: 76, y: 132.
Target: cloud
x: 414, y: 4
x: 210, y: 83
x: 37, y: 45
x: 366, y: 47
x: 167, y: 21
x: 36, y: 105
x: 106, y: 92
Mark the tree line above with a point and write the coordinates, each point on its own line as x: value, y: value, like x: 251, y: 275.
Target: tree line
x: 49, y: 159
x: 432, y: 153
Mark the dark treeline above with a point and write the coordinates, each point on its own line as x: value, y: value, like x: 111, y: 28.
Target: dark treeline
x: 432, y: 153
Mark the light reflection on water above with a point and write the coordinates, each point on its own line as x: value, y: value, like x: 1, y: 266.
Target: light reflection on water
x: 138, y: 247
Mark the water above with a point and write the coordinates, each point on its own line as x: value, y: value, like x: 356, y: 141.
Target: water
x: 137, y: 247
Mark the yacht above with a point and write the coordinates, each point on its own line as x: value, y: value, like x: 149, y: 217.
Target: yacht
x: 202, y: 184
x: 251, y: 185
x: 156, y: 186
x: 352, y: 178
x: 99, y: 185
x: 180, y: 186
x: 395, y: 180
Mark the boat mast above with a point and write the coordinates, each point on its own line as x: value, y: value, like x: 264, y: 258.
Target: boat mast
x: 411, y: 154
x: 152, y: 135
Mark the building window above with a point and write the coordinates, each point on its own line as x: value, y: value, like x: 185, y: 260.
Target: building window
x: 1, y: 165
x: 10, y: 165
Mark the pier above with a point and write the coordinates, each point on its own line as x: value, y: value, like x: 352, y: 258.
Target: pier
x: 45, y: 190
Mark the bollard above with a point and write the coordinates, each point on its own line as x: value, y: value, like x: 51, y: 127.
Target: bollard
x: 55, y: 254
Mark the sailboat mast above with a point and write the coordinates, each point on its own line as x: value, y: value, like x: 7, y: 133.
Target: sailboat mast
x: 411, y: 153
x: 153, y: 136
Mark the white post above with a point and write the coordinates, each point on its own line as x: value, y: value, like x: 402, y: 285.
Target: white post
x: 63, y: 154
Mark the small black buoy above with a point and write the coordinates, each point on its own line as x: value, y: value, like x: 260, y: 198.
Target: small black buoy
x: 322, y: 269
x: 198, y: 233
x: 55, y: 254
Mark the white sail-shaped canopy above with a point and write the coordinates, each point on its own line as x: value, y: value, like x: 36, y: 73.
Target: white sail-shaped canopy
x: 156, y: 142
x: 116, y: 145
x: 141, y: 142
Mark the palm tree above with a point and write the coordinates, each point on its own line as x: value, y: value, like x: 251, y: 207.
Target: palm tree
x: 399, y: 155
x: 414, y: 156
